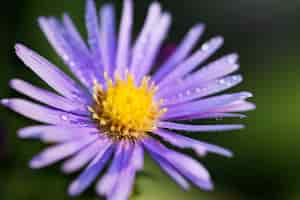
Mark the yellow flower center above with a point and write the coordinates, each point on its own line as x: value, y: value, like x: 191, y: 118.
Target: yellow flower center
x: 124, y: 110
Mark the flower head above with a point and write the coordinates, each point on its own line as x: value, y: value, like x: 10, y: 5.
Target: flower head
x: 118, y: 105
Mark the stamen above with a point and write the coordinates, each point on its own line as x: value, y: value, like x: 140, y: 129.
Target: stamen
x: 124, y: 110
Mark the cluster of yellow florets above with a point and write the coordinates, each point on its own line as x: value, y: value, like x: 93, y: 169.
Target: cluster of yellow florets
x: 124, y: 110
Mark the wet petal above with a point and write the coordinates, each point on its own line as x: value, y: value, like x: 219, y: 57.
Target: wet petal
x: 83, y: 157
x: 56, y: 153
x: 49, y: 98
x: 187, y: 166
x: 201, y: 148
x: 108, y: 38
x: 140, y: 46
x: 56, y: 133
x: 193, y: 61
x: 195, y: 92
x: 50, y: 74
x: 124, y: 42
x: 198, y: 128
x: 155, y: 42
x: 203, y: 105
x: 183, y: 50
x: 171, y: 171
x: 91, y: 172
x: 44, y: 114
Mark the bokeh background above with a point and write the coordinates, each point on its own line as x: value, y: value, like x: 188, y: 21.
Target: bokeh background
x: 266, y: 164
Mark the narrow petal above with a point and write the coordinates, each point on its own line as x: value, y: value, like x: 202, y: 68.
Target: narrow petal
x: 76, y: 58
x: 56, y: 153
x: 155, y: 42
x: 183, y: 50
x: 56, y: 133
x: 73, y: 32
x: 195, y: 60
x: 140, y: 46
x: 108, y: 181
x: 124, y: 42
x: 203, y: 105
x: 196, y: 91
x: 93, y: 31
x: 48, y: 98
x: 237, y: 106
x: 171, y: 171
x: 50, y: 74
x: 83, y: 157
x: 45, y: 114
x: 198, y: 128
x: 108, y: 38
x: 210, y: 115
x: 200, y: 148
x: 207, y: 74
x: 138, y: 155
x: 219, y: 68
x: 124, y: 185
x: 187, y: 166
x: 91, y: 172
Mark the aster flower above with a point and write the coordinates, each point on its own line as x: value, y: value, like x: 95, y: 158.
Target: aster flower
x: 115, y: 109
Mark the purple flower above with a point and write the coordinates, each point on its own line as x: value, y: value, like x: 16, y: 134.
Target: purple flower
x: 116, y: 107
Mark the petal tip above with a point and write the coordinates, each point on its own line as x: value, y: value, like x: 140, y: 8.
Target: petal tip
x: 73, y: 190
x: 5, y: 102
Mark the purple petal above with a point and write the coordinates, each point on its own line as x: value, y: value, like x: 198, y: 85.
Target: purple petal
x: 140, y: 46
x: 108, y: 181
x: 50, y: 74
x: 193, y: 61
x: 199, y: 79
x: 56, y: 153
x: 155, y: 41
x: 198, y: 128
x: 187, y: 166
x: 56, y: 133
x: 91, y: 172
x: 171, y: 171
x: 181, y: 141
x: 125, y: 182
x: 83, y: 157
x: 237, y: 106
x: 195, y: 92
x: 138, y: 155
x: 203, y: 105
x: 93, y: 31
x: 49, y: 98
x: 219, y: 68
x: 210, y: 115
x: 200, y: 148
x: 108, y: 38
x: 44, y: 114
x: 73, y: 32
x: 124, y: 42
x: 180, y: 53
x: 77, y: 58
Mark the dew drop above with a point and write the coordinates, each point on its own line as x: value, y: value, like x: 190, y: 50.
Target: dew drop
x: 65, y: 57
x: 72, y: 64
x: 231, y: 59
x: 64, y: 117
x: 205, y: 47
x: 198, y: 90
x: 222, y: 81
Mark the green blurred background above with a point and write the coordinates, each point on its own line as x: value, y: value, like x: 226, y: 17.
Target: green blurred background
x: 266, y: 164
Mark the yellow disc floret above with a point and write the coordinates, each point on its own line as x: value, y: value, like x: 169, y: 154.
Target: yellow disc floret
x: 124, y: 110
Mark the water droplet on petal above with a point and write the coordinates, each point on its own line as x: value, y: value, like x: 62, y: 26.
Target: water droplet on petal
x: 64, y: 117
x: 205, y: 47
